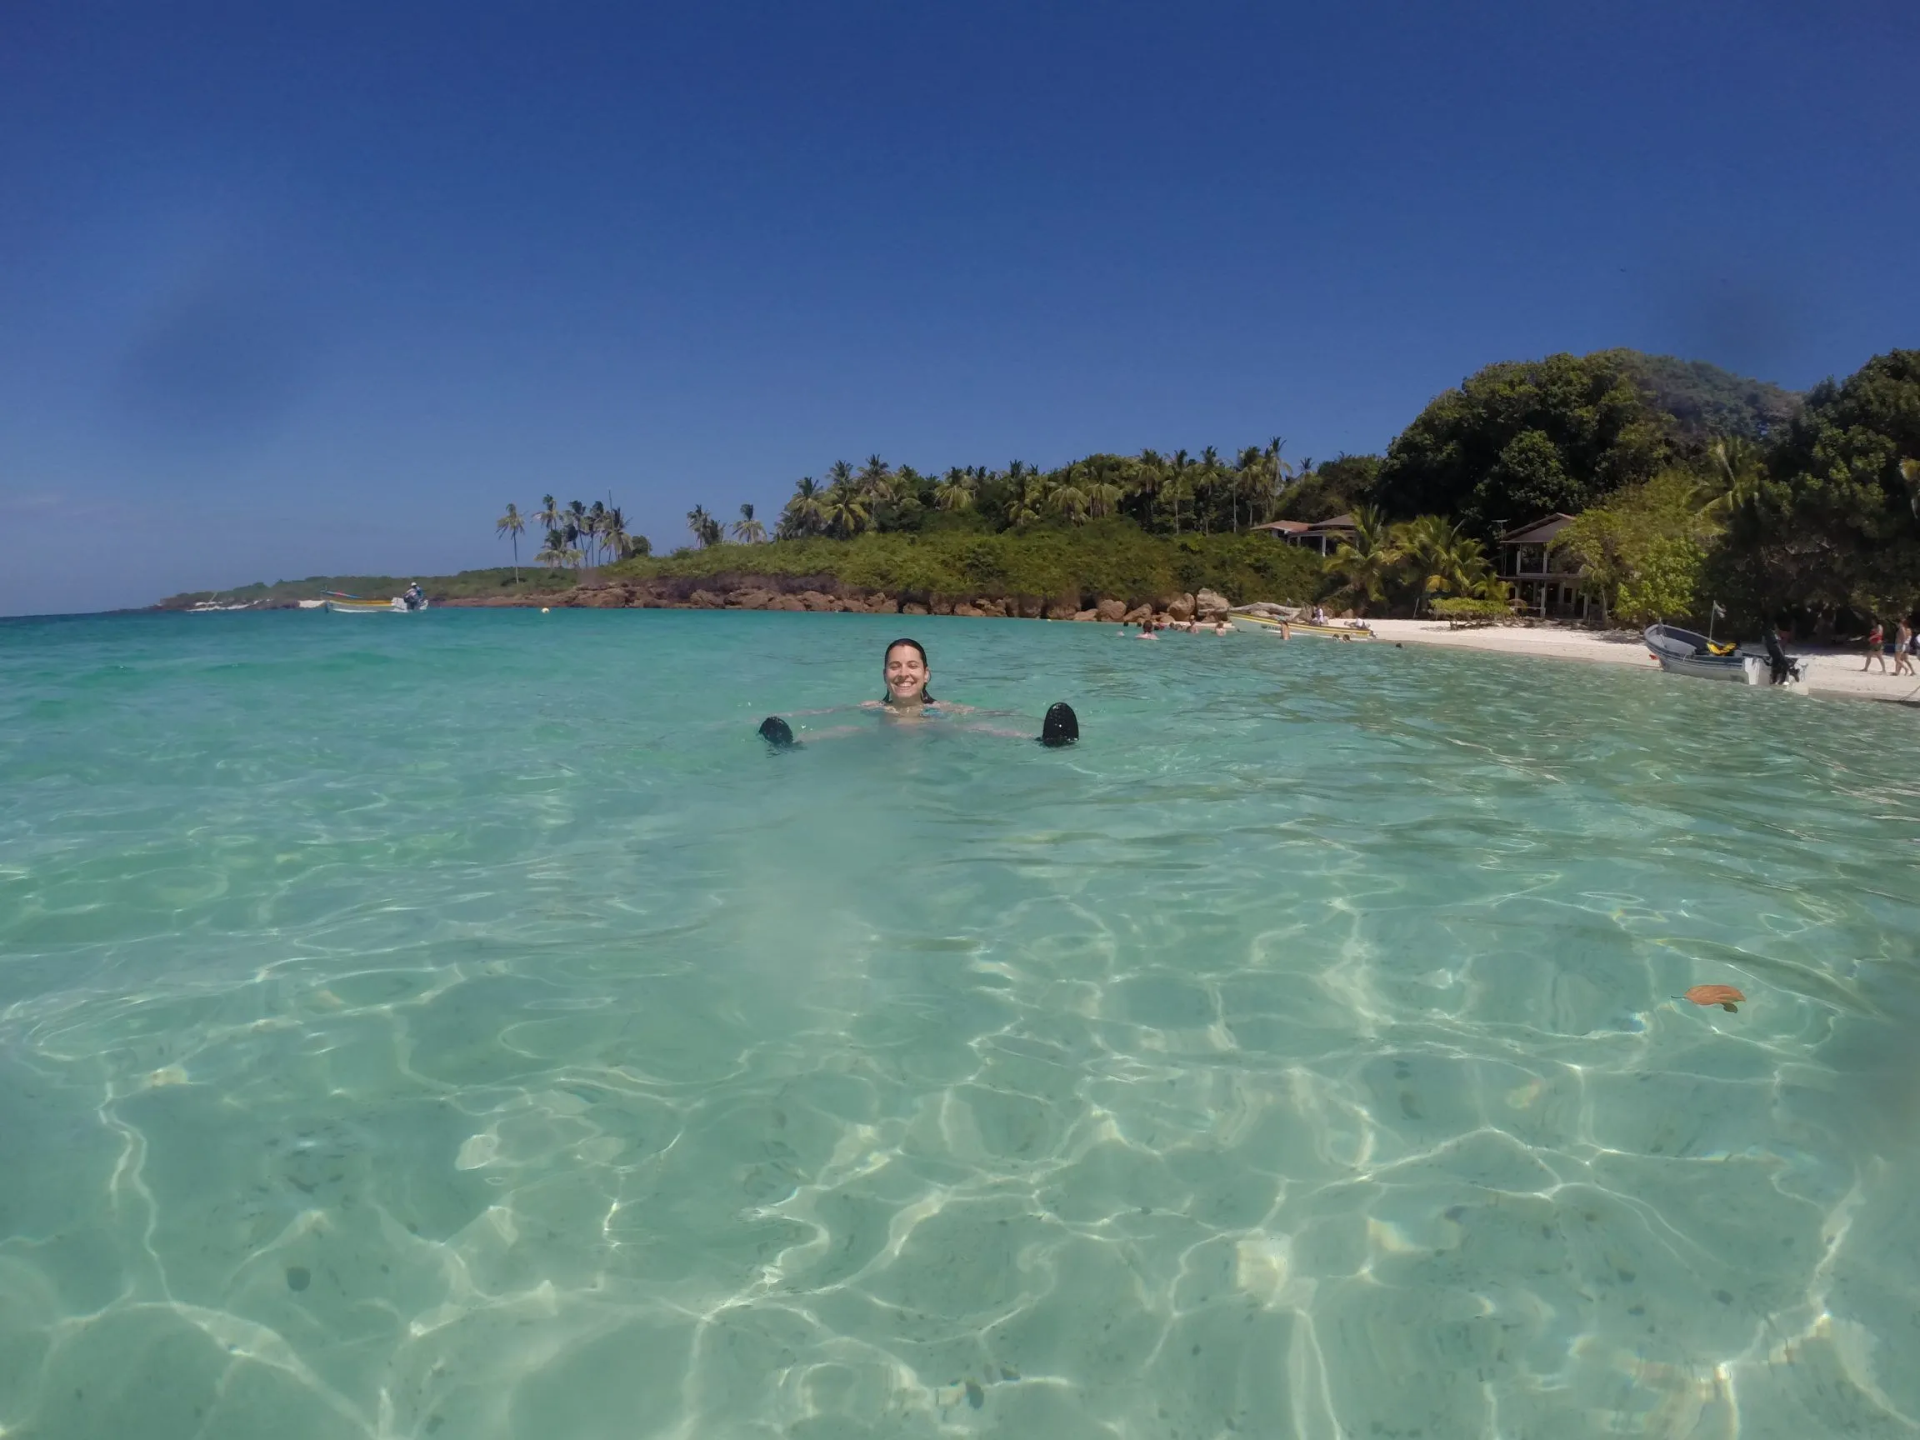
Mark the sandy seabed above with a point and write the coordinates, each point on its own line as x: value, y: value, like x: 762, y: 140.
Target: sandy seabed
x: 1834, y: 672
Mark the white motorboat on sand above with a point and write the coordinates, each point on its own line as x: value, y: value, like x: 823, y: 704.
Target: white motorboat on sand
x: 1687, y: 652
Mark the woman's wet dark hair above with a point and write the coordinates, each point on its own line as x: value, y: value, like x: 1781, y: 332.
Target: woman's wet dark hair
x: 892, y: 645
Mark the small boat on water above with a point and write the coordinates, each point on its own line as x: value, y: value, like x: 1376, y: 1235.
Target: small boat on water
x: 1258, y: 622
x: 1687, y: 652
x: 406, y: 604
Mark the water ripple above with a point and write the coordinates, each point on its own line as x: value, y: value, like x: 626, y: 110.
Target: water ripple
x: 465, y: 1028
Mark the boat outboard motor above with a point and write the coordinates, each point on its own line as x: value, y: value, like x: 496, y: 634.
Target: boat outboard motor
x: 1783, y: 664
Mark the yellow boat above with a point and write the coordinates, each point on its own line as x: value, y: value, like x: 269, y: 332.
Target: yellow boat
x: 1255, y: 623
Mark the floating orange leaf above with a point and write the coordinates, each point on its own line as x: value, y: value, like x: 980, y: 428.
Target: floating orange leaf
x: 1721, y: 995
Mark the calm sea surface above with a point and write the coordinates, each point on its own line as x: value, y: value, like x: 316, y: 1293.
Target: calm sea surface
x: 460, y: 1025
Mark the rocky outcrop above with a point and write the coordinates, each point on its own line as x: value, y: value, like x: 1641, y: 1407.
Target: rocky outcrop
x: 1211, y: 605
x: 1180, y: 608
x: 822, y: 595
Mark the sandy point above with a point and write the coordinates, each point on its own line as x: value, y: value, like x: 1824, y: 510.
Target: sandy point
x: 1835, y: 672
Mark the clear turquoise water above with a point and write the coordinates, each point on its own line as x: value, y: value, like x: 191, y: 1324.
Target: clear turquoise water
x: 459, y: 1025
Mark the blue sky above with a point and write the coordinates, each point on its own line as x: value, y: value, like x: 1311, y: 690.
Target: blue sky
x: 297, y: 290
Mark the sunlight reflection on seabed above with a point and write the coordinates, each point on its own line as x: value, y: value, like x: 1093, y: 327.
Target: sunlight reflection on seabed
x: 564, y: 1069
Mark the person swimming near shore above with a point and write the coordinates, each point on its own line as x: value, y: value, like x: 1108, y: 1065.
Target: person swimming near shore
x: 906, y: 673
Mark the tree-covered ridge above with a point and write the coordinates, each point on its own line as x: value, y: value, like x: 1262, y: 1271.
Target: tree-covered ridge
x: 1833, y: 518
x: 1522, y: 439
x: 1819, y: 523
x: 1702, y: 403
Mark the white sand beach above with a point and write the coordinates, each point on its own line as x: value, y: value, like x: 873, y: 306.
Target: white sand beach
x: 1835, y: 671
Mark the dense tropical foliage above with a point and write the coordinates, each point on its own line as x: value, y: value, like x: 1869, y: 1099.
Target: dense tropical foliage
x: 1523, y: 439
x: 1644, y: 553
x: 1415, y: 563
x: 1058, y: 564
x: 1177, y: 494
x: 1832, y: 521
x: 1689, y: 484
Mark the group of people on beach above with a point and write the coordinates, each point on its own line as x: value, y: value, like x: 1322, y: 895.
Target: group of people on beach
x: 1904, y: 647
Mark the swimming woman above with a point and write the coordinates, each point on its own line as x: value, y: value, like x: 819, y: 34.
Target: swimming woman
x: 905, y: 674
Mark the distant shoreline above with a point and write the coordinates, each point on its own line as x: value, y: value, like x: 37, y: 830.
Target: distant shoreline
x: 1837, y: 671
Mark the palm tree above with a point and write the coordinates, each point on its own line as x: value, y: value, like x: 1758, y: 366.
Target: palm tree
x: 1070, y: 500
x: 513, y: 527
x: 554, y: 552
x: 1364, y: 562
x: 702, y: 525
x: 548, y: 516
x: 876, y: 480
x: 1441, y: 558
x: 1738, y: 471
x: 1104, y: 492
x: 1148, y: 474
x: 804, y: 514
x: 1025, y: 502
x: 1207, y: 483
x: 1179, y: 485
x: 747, y: 529
x: 595, y: 527
x: 845, y: 510
x: 955, y: 491
x: 613, y: 528
x: 1283, y: 470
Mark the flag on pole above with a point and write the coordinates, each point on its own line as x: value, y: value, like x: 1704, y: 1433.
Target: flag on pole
x: 1718, y: 611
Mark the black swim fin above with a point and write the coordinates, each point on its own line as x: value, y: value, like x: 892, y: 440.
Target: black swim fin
x: 1061, y: 727
x: 777, y: 733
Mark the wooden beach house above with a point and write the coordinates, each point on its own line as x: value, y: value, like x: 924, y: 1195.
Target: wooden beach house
x: 1542, y: 583
x: 1322, y: 535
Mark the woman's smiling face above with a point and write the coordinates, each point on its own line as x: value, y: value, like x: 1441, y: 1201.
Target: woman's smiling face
x: 906, y: 675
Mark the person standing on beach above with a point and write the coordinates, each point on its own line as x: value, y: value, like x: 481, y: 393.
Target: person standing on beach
x: 1876, y: 640
x: 1903, y: 648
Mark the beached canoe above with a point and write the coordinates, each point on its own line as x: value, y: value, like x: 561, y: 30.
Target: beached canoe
x: 1255, y: 623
